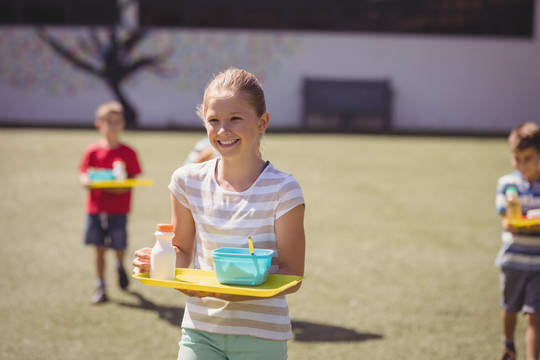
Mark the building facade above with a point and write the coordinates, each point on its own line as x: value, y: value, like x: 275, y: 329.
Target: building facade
x: 440, y: 81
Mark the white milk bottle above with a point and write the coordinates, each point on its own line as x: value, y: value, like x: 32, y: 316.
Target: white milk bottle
x: 163, y: 256
x: 119, y: 169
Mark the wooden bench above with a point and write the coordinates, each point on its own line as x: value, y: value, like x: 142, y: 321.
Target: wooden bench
x: 352, y: 102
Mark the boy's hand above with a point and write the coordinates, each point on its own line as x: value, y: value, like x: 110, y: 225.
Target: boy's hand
x: 84, y: 180
x: 532, y: 229
x: 506, y: 226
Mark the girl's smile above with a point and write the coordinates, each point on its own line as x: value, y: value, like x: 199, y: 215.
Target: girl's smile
x: 227, y: 142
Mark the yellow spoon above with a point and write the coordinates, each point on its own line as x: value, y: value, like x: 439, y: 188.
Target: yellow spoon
x: 252, y: 251
x: 251, y: 246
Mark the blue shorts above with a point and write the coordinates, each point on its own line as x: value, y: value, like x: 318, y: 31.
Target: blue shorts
x: 520, y: 291
x: 106, y: 230
x: 202, y: 345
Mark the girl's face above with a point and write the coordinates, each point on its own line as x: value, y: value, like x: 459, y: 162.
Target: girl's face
x: 526, y: 162
x: 233, y: 127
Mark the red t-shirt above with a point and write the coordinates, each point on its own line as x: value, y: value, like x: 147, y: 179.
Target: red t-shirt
x: 98, y: 156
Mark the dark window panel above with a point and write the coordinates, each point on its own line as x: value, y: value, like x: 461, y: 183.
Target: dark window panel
x: 456, y: 17
x: 59, y: 12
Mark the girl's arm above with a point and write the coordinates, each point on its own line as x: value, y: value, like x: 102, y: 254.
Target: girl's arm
x: 184, y: 233
x: 183, y: 241
x: 291, y: 244
x: 291, y: 247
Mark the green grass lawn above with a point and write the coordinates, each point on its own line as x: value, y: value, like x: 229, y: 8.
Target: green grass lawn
x: 401, y: 232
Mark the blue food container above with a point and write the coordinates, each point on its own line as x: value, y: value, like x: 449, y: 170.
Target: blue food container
x: 100, y: 174
x: 236, y: 266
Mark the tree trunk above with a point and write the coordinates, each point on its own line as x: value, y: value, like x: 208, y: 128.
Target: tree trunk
x: 129, y: 111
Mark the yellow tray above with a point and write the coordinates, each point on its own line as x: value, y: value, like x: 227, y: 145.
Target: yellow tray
x: 203, y: 280
x: 524, y: 222
x: 121, y: 184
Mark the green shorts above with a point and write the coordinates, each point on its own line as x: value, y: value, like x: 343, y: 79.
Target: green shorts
x: 202, y: 345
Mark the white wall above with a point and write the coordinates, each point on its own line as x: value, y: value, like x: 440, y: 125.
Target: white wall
x: 440, y: 83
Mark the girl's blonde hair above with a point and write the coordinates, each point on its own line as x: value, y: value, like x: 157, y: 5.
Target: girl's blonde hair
x: 231, y: 82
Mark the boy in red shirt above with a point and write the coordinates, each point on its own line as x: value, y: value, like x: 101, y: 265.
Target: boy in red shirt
x: 107, y: 209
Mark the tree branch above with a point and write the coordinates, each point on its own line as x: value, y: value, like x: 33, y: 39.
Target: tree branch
x: 66, y: 53
x: 91, y: 46
x: 150, y: 61
x: 131, y: 42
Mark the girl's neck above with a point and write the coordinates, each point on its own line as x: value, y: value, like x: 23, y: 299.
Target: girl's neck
x: 238, y: 175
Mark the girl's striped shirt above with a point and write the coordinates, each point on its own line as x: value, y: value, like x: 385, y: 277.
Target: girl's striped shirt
x: 225, y: 219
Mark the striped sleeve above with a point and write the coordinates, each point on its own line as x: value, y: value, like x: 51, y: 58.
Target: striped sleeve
x: 290, y: 196
x: 187, y: 180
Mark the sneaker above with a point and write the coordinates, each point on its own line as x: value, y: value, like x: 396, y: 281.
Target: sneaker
x: 99, y: 296
x: 123, y: 280
x: 508, y: 354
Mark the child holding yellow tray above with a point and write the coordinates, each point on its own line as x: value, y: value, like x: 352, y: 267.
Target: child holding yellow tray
x: 519, y: 257
x: 219, y: 203
x: 107, y: 208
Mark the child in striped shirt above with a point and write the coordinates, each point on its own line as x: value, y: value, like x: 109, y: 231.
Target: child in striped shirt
x: 219, y: 203
x: 519, y: 256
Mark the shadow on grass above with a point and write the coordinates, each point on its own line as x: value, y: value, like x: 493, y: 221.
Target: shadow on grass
x: 172, y: 314
x: 311, y: 332
x: 302, y: 330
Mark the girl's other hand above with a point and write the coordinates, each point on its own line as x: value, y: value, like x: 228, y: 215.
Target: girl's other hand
x: 141, y: 261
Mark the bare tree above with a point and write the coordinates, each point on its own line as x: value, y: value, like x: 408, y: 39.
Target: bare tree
x: 112, y: 58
